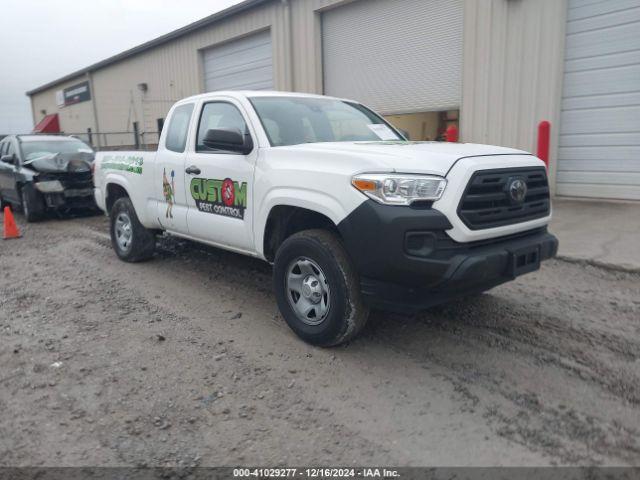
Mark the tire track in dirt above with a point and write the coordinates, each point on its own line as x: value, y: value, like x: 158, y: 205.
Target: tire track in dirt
x: 536, y: 332
x: 268, y: 402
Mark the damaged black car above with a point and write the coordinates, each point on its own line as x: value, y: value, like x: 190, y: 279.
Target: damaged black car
x: 42, y: 173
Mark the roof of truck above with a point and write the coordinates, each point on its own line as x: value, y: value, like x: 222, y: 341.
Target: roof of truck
x: 254, y: 93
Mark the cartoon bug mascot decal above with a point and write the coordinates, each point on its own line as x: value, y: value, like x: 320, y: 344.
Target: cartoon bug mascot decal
x: 169, y: 191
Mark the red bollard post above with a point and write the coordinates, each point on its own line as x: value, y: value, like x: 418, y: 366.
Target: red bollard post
x: 451, y: 133
x: 544, y: 134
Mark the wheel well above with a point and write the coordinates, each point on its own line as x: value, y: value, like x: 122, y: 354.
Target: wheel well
x: 284, y: 221
x: 114, y: 192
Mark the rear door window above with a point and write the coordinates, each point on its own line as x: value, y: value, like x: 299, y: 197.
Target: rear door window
x: 179, y: 128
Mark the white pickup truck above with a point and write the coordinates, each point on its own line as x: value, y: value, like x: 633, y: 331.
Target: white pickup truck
x: 350, y: 213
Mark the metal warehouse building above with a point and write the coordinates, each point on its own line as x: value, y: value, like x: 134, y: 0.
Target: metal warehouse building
x: 498, y: 67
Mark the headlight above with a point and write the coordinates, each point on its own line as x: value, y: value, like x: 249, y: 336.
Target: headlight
x: 52, y: 186
x: 399, y: 189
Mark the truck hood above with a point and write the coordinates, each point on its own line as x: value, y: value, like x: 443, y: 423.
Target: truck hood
x: 61, y: 162
x: 434, y: 158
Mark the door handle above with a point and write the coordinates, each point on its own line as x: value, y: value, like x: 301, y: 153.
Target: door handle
x: 193, y: 170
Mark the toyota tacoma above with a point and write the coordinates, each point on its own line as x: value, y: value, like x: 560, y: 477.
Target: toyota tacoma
x: 350, y: 213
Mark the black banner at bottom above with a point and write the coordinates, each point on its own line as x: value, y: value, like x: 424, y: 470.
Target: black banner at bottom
x: 206, y: 473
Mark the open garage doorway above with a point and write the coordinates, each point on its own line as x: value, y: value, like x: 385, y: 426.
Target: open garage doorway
x: 424, y: 126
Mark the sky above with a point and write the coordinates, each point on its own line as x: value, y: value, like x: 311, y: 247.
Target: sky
x: 42, y: 40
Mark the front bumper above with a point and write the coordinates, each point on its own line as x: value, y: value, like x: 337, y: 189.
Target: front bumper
x: 408, y: 263
x: 76, y: 190
x: 71, y: 198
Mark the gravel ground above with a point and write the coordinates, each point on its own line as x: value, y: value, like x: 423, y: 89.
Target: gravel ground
x: 184, y: 360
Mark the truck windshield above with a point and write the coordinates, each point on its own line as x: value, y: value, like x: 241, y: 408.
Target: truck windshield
x: 297, y: 120
x: 37, y: 148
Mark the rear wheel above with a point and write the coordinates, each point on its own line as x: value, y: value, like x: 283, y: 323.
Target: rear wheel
x: 131, y: 241
x: 317, y: 289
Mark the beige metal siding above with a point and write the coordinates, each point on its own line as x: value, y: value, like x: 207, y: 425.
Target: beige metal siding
x: 306, y: 32
x: 74, y: 118
x: 512, y: 67
x: 171, y: 71
x: 174, y: 70
x: 512, y: 76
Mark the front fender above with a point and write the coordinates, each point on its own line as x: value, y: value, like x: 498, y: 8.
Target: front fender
x: 322, y: 202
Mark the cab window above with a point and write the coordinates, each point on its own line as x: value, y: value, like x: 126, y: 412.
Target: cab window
x: 219, y: 115
x: 179, y: 128
x: 299, y: 120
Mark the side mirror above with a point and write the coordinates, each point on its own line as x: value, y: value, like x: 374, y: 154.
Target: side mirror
x: 228, y: 139
x: 10, y: 159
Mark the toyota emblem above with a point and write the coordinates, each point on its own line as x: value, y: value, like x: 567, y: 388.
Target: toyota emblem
x: 517, y: 190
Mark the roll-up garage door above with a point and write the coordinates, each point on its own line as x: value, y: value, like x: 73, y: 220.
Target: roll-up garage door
x: 399, y: 56
x: 244, y: 64
x: 599, y: 147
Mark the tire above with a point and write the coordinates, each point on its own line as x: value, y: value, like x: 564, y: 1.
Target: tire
x: 31, y: 203
x: 318, y: 259
x: 131, y: 241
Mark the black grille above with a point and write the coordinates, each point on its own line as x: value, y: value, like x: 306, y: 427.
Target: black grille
x: 487, y: 203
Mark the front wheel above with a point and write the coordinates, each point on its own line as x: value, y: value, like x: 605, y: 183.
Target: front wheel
x: 131, y: 241
x: 317, y: 289
x: 31, y: 203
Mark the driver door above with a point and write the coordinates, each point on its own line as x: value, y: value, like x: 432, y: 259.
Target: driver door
x: 8, y: 171
x: 3, y: 168
x: 220, y: 183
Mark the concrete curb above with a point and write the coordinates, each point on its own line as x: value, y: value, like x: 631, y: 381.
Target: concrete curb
x: 599, y: 264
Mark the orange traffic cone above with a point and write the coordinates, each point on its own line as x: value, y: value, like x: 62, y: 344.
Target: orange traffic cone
x: 10, y: 227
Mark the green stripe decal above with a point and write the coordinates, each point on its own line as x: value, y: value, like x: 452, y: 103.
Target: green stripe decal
x: 127, y: 163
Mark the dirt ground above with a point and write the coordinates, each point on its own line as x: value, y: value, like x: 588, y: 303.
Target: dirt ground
x: 184, y: 360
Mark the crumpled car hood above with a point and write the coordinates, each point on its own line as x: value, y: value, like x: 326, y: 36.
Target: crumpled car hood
x: 61, y: 162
